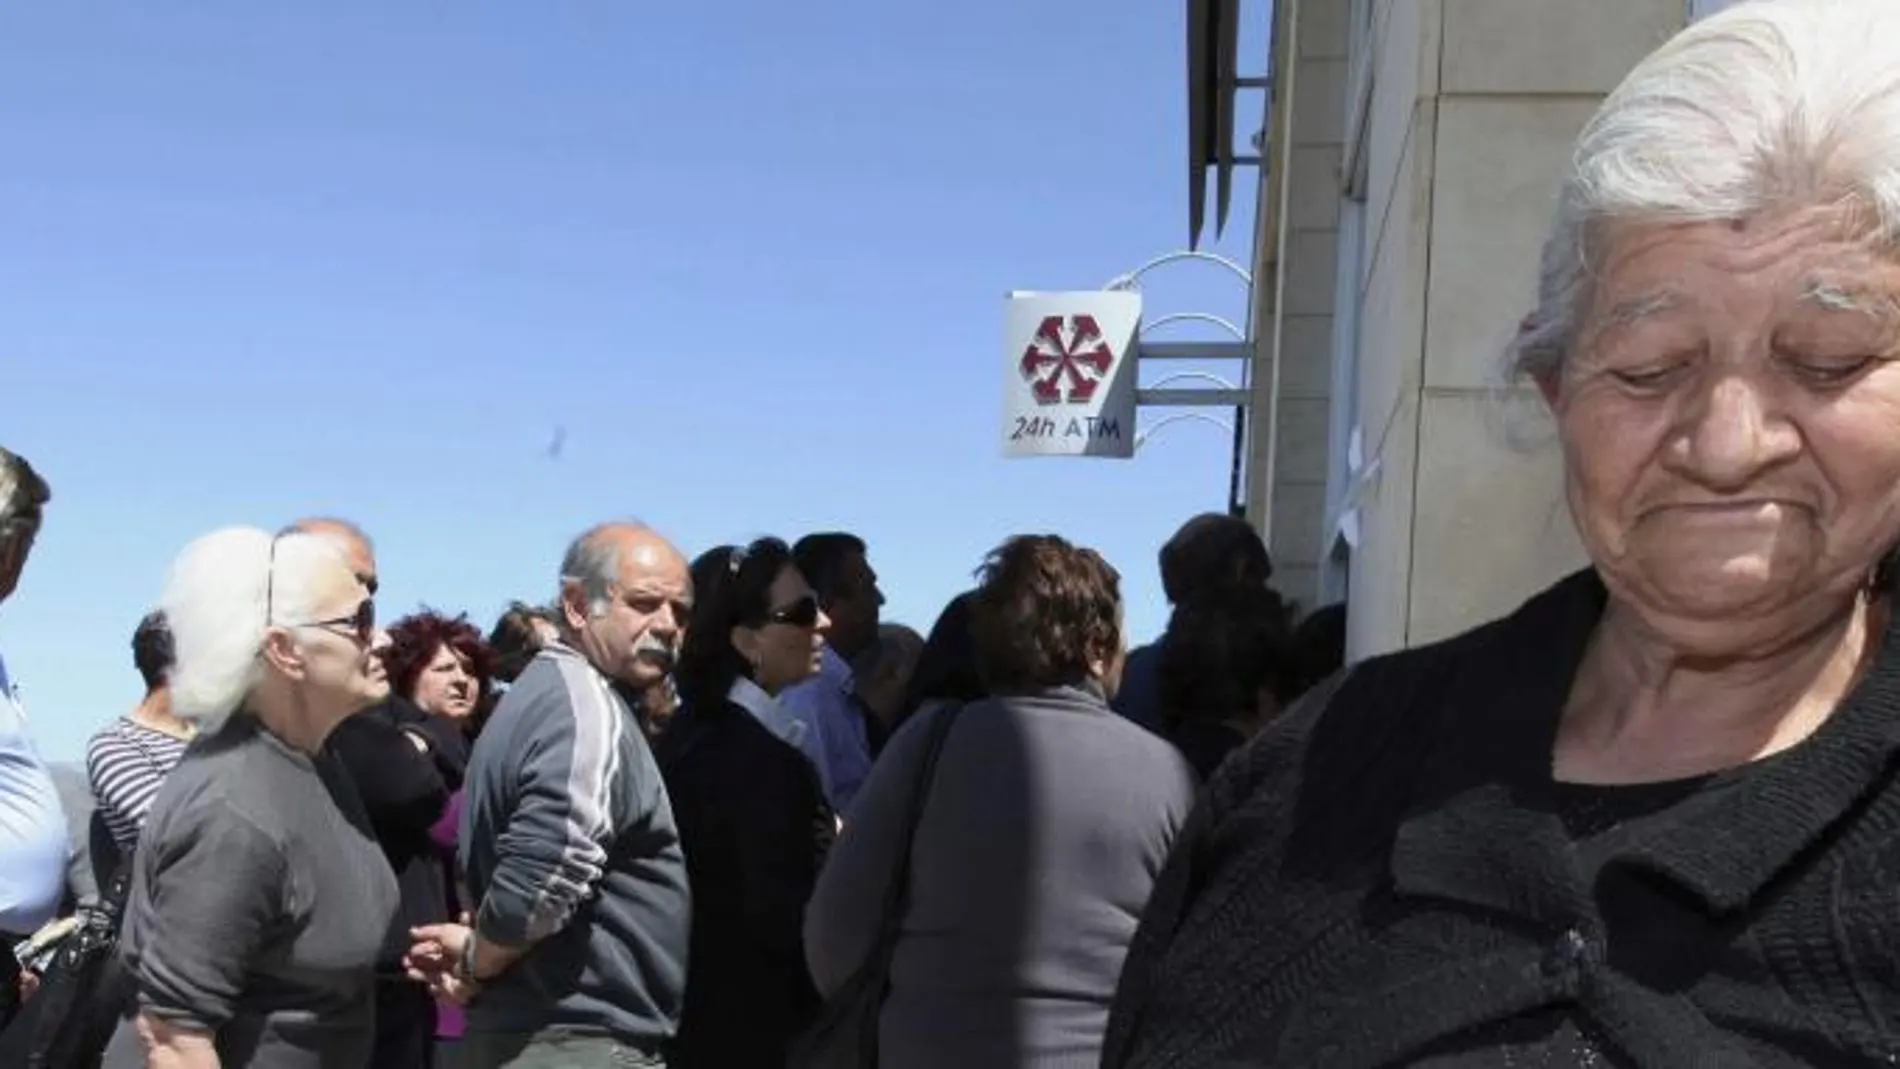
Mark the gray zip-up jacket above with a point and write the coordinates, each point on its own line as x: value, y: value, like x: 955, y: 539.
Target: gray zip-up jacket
x: 568, y: 843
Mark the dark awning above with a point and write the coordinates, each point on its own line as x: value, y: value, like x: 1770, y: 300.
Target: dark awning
x: 1213, y: 42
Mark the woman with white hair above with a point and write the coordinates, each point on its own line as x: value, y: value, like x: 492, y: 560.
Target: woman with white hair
x: 259, y: 896
x: 1651, y: 818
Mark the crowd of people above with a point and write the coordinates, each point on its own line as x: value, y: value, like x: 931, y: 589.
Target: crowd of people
x: 654, y: 818
x: 717, y: 813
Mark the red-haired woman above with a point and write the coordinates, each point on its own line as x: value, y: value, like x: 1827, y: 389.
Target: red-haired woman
x: 445, y: 668
x: 407, y: 757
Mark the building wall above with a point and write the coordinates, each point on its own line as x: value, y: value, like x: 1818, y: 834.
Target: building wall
x: 1294, y: 445
x: 1472, y: 108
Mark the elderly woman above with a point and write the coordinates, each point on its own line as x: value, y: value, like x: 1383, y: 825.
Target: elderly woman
x: 1043, y: 826
x: 259, y: 895
x: 1650, y: 818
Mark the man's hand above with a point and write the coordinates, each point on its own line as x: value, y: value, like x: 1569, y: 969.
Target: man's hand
x: 438, y: 950
x: 29, y: 984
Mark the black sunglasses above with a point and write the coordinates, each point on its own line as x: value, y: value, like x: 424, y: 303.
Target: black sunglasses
x: 359, y: 625
x: 800, y: 613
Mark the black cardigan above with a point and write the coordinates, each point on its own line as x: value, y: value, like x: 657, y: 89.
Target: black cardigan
x: 1374, y: 886
x: 755, y: 827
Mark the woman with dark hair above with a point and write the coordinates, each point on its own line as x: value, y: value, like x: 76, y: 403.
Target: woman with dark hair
x: 1043, y: 824
x: 751, y: 812
x: 408, y: 755
x: 1226, y: 670
x: 946, y: 670
x: 128, y: 759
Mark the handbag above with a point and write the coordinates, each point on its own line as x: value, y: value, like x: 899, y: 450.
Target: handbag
x: 83, y: 994
x: 845, y: 1035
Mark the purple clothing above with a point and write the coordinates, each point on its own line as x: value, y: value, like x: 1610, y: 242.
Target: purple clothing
x: 448, y: 1016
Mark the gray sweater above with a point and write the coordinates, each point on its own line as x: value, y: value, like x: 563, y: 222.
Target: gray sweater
x: 1047, y: 824
x: 568, y: 842
x: 259, y: 897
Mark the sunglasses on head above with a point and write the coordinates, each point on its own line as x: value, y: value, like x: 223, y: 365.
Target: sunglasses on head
x: 800, y: 613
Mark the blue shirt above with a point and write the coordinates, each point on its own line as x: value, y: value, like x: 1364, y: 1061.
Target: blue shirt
x: 32, y: 825
x: 828, y: 727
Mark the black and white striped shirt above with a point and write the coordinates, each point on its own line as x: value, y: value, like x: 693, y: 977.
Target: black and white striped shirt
x: 126, y: 762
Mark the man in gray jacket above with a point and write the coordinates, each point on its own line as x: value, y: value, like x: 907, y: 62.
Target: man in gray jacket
x: 577, y: 953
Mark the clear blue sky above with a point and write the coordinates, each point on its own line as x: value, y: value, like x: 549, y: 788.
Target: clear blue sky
x: 264, y: 260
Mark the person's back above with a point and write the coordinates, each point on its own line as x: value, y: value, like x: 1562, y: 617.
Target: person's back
x: 1046, y: 825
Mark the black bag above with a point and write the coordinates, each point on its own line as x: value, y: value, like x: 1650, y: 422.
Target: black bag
x: 83, y: 994
x: 845, y: 1036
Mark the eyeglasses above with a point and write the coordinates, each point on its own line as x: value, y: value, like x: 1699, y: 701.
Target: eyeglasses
x: 800, y: 613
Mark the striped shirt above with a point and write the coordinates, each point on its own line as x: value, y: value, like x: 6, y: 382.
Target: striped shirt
x: 126, y: 761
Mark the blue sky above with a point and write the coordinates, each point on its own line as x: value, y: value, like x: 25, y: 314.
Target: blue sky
x: 258, y: 261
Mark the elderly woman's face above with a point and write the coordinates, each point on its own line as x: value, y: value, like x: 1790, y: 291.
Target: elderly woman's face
x: 1731, y: 420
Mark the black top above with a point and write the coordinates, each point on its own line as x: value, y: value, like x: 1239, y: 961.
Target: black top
x: 404, y: 791
x: 755, y: 828
x: 1397, y: 882
x: 1205, y: 744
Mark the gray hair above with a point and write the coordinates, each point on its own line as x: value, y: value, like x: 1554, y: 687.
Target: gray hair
x: 23, y: 493
x: 221, y: 589
x: 1768, y: 103
x: 592, y: 562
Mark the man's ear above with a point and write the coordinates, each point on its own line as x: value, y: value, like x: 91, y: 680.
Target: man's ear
x: 573, y: 604
x: 281, y: 653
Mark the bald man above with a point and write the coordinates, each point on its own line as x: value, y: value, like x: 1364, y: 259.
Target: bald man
x: 578, y: 947
x: 405, y: 765
x: 356, y: 545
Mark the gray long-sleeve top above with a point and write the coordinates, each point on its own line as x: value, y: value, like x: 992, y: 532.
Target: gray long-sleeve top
x: 1047, y: 824
x: 568, y: 841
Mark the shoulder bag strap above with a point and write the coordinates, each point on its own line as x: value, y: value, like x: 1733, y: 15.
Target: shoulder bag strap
x: 897, y: 892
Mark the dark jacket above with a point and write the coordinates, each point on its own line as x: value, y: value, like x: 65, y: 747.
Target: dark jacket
x: 1387, y: 876
x: 403, y: 790
x: 568, y: 844
x: 755, y: 825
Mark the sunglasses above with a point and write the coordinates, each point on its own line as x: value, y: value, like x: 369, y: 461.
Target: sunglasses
x: 800, y: 613
x: 359, y: 625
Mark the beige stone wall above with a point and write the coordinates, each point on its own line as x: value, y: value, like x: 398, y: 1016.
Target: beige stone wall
x: 1299, y: 403
x: 1474, y: 106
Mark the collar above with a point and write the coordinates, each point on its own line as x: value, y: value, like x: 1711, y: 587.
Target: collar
x: 753, y: 699
x: 1473, y: 835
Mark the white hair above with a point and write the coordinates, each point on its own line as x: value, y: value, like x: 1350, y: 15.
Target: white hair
x: 215, y: 602
x: 1769, y: 103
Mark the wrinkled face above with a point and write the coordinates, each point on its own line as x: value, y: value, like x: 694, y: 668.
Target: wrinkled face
x: 447, y: 685
x: 785, y: 647
x: 635, y: 635
x: 1729, y: 416
x: 332, y: 656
